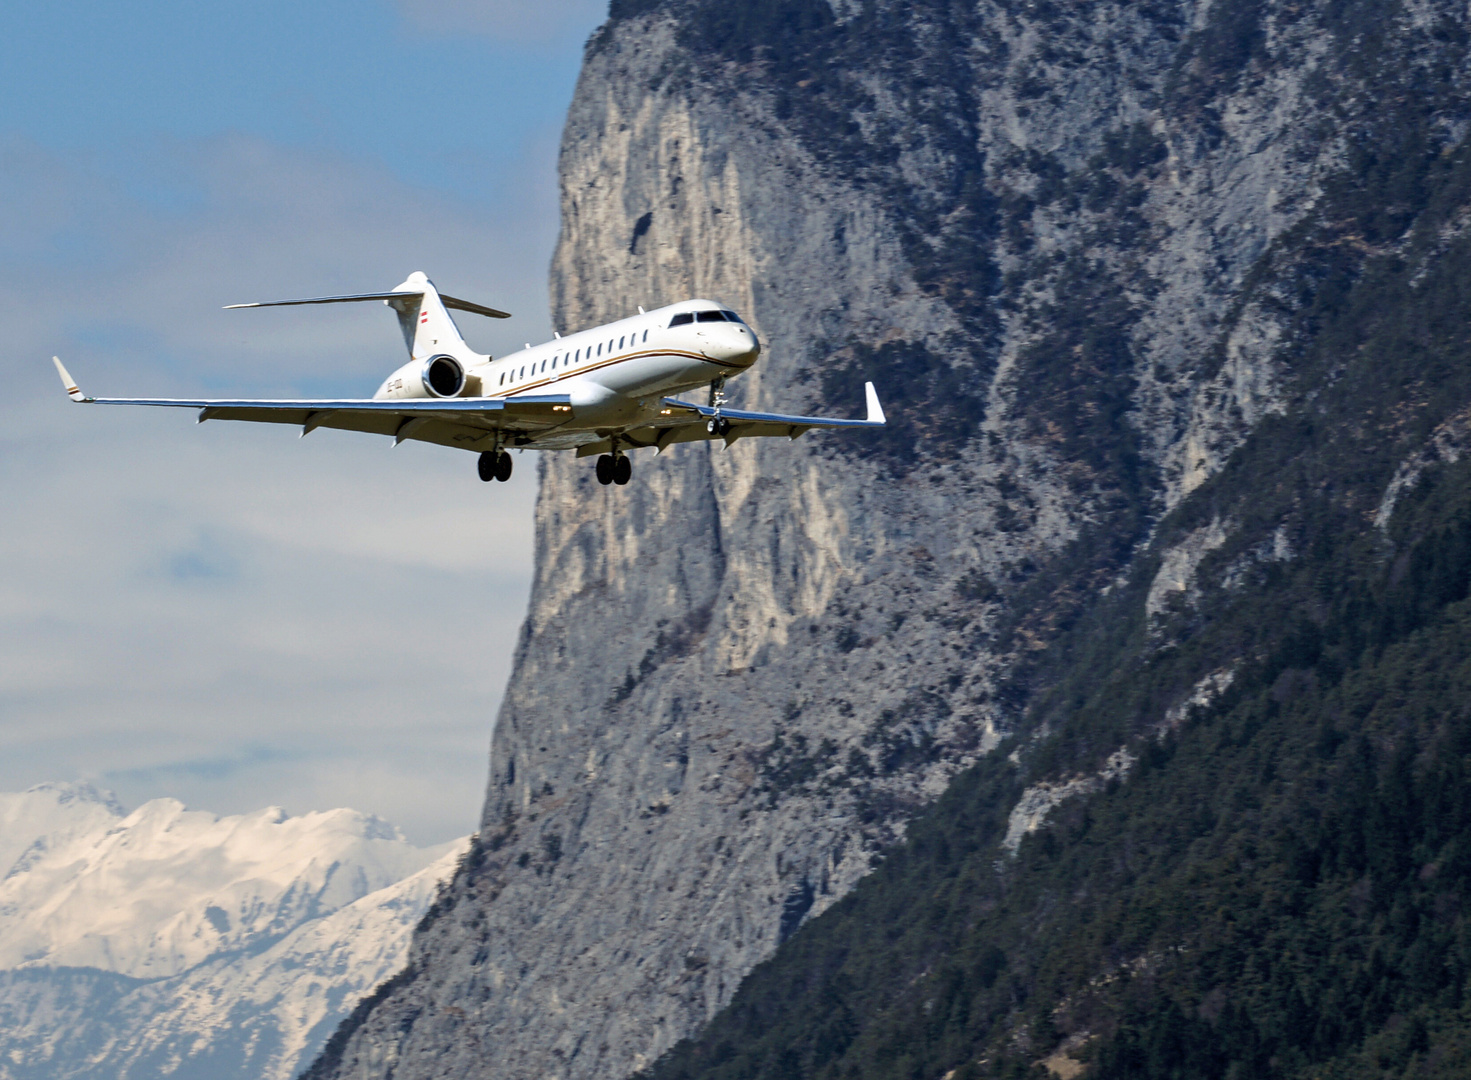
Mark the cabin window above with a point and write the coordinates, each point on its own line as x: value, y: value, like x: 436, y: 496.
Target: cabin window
x: 646, y: 335
x: 503, y: 378
x: 710, y: 316
x: 523, y: 373
x: 577, y: 357
x: 554, y: 362
x: 600, y: 348
x: 682, y: 319
x: 543, y: 365
x: 730, y: 316
x: 620, y: 343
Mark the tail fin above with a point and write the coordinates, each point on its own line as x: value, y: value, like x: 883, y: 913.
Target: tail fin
x: 426, y: 324
x: 422, y: 315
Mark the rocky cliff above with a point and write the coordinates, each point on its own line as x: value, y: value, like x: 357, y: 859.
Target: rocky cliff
x: 1078, y: 248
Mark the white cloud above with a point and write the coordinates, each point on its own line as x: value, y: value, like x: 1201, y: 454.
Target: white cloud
x: 226, y: 613
x: 506, y: 20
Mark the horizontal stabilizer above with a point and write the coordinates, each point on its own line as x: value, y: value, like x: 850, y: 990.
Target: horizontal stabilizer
x: 474, y: 309
x: 447, y: 301
x: 325, y: 300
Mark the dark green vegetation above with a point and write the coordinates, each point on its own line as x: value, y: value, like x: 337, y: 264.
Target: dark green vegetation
x: 1280, y: 885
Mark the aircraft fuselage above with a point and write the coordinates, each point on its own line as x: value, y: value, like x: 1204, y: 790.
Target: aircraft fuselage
x: 615, y: 374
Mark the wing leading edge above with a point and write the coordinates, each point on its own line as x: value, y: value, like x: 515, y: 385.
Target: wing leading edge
x: 468, y: 423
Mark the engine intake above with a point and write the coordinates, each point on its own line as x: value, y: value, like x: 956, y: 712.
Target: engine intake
x: 440, y: 376
x: 443, y: 376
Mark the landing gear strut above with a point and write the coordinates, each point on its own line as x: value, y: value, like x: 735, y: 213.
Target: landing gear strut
x: 717, y: 424
x: 494, y: 465
x: 614, y: 468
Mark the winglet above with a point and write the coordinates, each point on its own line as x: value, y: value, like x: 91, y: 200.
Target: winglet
x: 68, y: 382
x: 875, y: 410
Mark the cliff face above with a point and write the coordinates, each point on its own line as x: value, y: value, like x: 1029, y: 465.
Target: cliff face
x: 1066, y: 244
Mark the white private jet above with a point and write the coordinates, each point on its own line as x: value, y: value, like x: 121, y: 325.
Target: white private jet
x: 602, y: 391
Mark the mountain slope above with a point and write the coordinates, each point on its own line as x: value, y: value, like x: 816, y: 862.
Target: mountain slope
x: 169, y: 942
x: 1274, y: 884
x: 1161, y: 298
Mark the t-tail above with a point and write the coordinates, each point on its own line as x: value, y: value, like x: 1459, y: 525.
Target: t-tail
x: 427, y: 327
x: 423, y: 316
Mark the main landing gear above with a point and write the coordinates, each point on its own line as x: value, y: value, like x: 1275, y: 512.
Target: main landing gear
x: 614, y: 468
x: 495, y: 465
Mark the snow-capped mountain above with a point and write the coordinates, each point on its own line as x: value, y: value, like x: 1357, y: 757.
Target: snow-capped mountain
x: 171, y: 942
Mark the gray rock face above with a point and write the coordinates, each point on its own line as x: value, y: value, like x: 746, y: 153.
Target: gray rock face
x: 1047, y: 235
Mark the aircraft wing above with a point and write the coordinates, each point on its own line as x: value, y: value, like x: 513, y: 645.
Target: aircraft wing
x: 685, y: 421
x: 467, y: 423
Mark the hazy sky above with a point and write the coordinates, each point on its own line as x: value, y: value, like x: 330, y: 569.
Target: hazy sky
x: 223, y: 612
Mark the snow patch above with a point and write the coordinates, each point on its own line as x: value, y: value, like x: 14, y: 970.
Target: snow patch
x: 161, y: 890
x: 237, y: 941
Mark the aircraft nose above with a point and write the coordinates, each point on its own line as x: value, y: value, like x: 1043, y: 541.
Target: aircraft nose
x: 748, y: 347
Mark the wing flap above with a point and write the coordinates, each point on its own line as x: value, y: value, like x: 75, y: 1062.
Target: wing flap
x: 661, y: 438
x: 780, y: 421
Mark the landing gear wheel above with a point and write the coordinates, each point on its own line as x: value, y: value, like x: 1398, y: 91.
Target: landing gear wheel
x: 622, y: 470
x: 494, y: 465
x: 718, y: 425
x: 605, y: 469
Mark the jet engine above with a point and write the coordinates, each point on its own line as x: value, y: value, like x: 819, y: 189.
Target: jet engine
x: 440, y: 376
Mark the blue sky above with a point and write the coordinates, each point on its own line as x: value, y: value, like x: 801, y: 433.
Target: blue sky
x: 220, y: 613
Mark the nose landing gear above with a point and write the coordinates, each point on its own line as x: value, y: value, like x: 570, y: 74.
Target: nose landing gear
x: 717, y: 424
x: 494, y: 465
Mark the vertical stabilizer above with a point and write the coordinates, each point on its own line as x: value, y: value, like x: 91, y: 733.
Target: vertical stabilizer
x: 426, y: 325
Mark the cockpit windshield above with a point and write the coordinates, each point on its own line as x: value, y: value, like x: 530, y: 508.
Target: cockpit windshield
x: 684, y: 318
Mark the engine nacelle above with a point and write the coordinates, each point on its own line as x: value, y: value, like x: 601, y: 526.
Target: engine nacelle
x: 440, y: 376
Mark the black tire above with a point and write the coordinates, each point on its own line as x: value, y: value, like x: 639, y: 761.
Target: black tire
x: 503, y: 467
x: 622, y: 469
x: 486, y: 466
x: 605, y: 469
x: 722, y: 427
x: 712, y: 425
